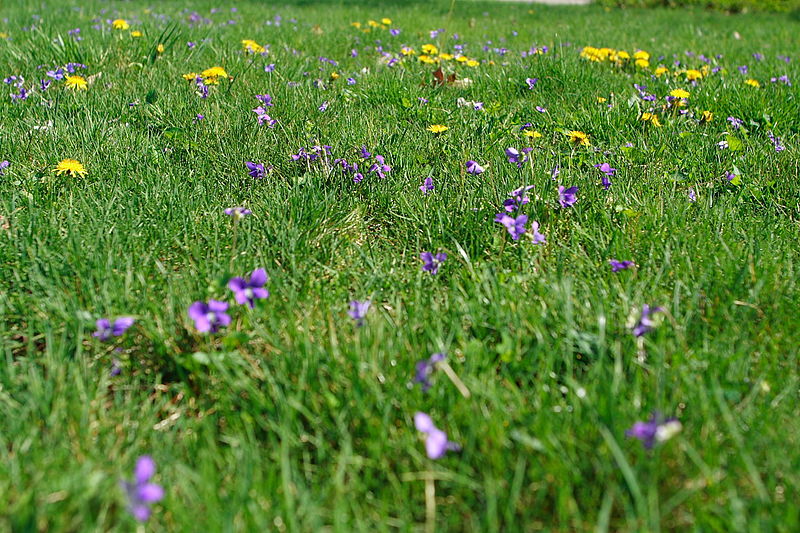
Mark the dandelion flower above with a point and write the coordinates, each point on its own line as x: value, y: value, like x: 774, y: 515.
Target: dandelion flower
x: 71, y: 167
x: 752, y: 83
x: 252, y: 47
x: 642, y: 63
x: 707, y: 116
x: 652, y: 118
x: 473, y: 63
x: 437, y: 128
x: 679, y: 93
x: 429, y: 49
x: 120, y: 24
x: 660, y: 71
x: 76, y: 83
x: 578, y: 138
x: 693, y: 75
x: 386, y: 21
x: 160, y: 48
x: 136, y: 33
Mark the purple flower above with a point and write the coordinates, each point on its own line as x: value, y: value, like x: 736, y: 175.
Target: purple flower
x: 645, y: 323
x: 536, y: 237
x: 531, y: 82
x: 264, y: 118
x: 758, y: 56
x: 474, y: 168
x: 269, y: 68
x: 247, y: 291
x: 515, y: 226
x: 436, y: 443
x: 432, y: 262
x: 4, y: 165
x: 776, y: 142
x: 555, y: 172
x: 256, y: 170
x: 735, y: 122
x: 783, y: 79
x: 358, y: 310
x: 394, y: 32
x: 141, y: 493
x: 323, y: 107
x: 209, y: 317
x: 364, y: 153
x: 424, y: 370
x: 199, y: 117
x: 106, y: 329
x: 380, y: 167
x: 567, y: 197
x: 427, y: 186
x: 265, y: 99
x: 606, y: 169
x: 237, y: 212
x: 655, y: 430
x: 692, y: 195
x: 616, y: 266
x: 116, y: 370
x: 743, y: 69
x: 517, y: 198
x: 541, y: 109
x: 351, y: 81
x: 514, y: 155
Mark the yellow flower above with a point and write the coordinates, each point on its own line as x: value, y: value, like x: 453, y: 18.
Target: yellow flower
x: 437, y: 128
x: 3, y: 35
x: 651, y: 118
x: 160, y: 48
x: 533, y: 134
x: 335, y: 75
x: 641, y: 54
x: 136, y: 33
x: 679, y: 93
x: 707, y: 116
x: 642, y: 63
x: 446, y: 57
x: 190, y: 76
x: 76, y: 83
x: 462, y: 59
x: 120, y: 24
x: 252, y: 47
x: 372, y: 23
x: 601, y: 100
x: 692, y: 74
x: 212, y: 75
x: 356, y: 25
x: 473, y: 63
x: 386, y: 21
x: 429, y: 49
x: 752, y: 83
x: 71, y: 167
x: 407, y: 51
x: 427, y: 59
x: 622, y: 54
x: 661, y: 71
x: 578, y: 138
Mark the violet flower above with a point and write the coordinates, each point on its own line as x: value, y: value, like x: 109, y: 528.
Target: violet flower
x: 424, y: 370
x: 247, y: 291
x: 432, y: 262
x: 616, y: 266
x: 531, y: 82
x: 237, y: 213
x: 358, y: 311
x: 209, y: 317
x: 515, y: 226
x: 106, y: 329
x: 436, y: 443
x: 536, y: 237
x: 256, y: 170
x: 427, y: 186
x: 4, y: 165
x: 567, y: 197
x: 474, y: 168
x: 646, y: 323
x: 140, y: 492
x: 656, y: 430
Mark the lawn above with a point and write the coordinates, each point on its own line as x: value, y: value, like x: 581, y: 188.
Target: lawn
x: 666, y: 285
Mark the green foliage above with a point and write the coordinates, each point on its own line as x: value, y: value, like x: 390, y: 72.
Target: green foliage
x: 782, y: 6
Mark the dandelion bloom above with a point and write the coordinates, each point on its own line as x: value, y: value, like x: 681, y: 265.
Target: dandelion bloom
x: 106, y: 329
x: 752, y: 83
x: 706, y: 117
x: 76, y: 83
x: 436, y: 442
x: 679, y: 93
x: 578, y: 138
x: 209, y: 317
x: 141, y: 493
x: 252, y: 47
x: 693, y: 75
x: 652, y: 118
x: 136, y: 33
x: 437, y: 128
x: 655, y: 430
x: 70, y: 167
x: 120, y: 24
x: 660, y: 71
x: 247, y: 291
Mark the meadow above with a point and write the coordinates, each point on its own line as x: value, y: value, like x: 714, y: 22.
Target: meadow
x: 468, y: 266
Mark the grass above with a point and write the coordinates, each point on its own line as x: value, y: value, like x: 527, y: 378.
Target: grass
x: 294, y: 418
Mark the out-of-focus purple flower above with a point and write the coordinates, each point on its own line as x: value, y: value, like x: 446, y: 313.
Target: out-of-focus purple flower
x: 358, y: 311
x: 646, y: 322
x: 567, y: 197
x: 730, y: 176
x: 515, y: 226
x: 692, y: 195
x: 3, y: 166
x: 140, y: 492
x: 209, y: 317
x: 116, y: 369
x: 248, y: 291
x: 758, y: 56
x: 237, y: 213
x: 353, y: 53
x: 422, y: 101
x: 323, y: 107
x: 190, y: 44
x: 517, y: 198
x: 256, y: 170
x: 541, y: 109
x: 531, y: 82
x: 474, y: 168
x: 75, y: 33
x: 536, y: 237
x: 432, y: 262
x: 776, y: 142
x: 656, y: 430
x: 269, y: 68
x: 394, y: 32
x: 427, y: 185
x: 436, y: 443
x: 783, y: 79
x: 199, y: 117
x: 616, y: 266
x: 424, y: 370
x: 743, y: 69
x: 107, y: 329
x: 735, y: 122
x: 351, y: 81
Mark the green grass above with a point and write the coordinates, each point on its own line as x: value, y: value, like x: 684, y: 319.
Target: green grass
x: 296, y: 419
